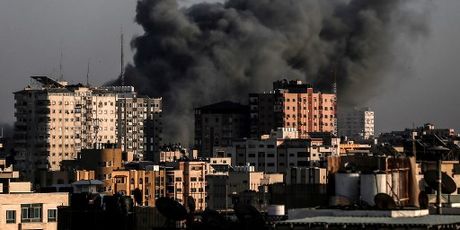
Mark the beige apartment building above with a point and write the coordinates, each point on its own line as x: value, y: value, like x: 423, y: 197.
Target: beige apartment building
x: 31, y: 210
x: 56, y: 120
x: 188, y: 178
x: 277, y: 152
x: 151, y: 183
x: 103, y: 162
x: 292, y: 104
x: 20, y: 208
x: 221, y: 187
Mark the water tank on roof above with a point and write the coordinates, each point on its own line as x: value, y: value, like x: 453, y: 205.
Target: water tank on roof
x: 276, y: 210
x: 347, y: 185
x: 371, y: 185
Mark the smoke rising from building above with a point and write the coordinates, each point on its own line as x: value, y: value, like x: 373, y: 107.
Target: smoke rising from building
x: 209, y: 52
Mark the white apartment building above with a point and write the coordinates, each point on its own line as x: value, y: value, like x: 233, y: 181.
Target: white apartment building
x: 55, y: 121
x: 139, y: 126
x: 280, y: 151
x: 357, y: 124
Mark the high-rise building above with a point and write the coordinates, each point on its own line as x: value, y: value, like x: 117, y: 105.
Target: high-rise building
x: 139, y: 125
x: 219, y: 125
x: 292, y: 104
x: 55, y: 121
x: 357, y: 124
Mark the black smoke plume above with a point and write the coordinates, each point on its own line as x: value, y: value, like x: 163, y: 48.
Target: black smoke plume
x: 209, y: 52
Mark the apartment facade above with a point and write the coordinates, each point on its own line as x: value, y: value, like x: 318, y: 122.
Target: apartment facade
x: 103, y: 162
x: 221, y: 187
x: 55, y: 121
x: 219, y: 125
x: 139, y: 126
x: 357, y: 124
x: 188, y: 179
x: 281, y: 150
x: 292, y: 104
x: 150, y: 183
x: 31, y: 210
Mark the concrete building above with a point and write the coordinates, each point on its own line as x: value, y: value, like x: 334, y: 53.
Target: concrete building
x: 292, y: 104
x: 150, y: 183
x: 21, y: 208
x: 306, y: 175
x: 281, y: 150
x: 356, y: 124
x: 103, y: 162
x: 139, y: 125
x: 187, y: 178
x: 55, y: 121
x: 171, y: 153
x: 222, y: 187
x: 31, y: 210
x: 219, y: 124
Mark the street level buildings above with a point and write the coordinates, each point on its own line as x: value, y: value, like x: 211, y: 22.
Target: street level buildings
x: 281, y: 150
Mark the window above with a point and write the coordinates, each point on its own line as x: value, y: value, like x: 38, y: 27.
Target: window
x: 10, y: 216
x: 52, y: 215
x: 31, y: 213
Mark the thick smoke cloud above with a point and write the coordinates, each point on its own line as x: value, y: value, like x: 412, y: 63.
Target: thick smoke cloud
x: 209, y: 52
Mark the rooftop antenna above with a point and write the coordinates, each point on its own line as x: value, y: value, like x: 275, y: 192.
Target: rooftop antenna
x: 61, y: 75
x: 334, y: 90
x: 122, y: 77
x: 87, y: 75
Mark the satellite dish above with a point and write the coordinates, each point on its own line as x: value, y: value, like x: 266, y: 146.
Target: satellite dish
x: 448, y: 184
x: 249, y: 216
x: 423, y: 200
x: 171, y: 209
x: 191, y: 205
x: 213, y: 220
x: 384, y: 201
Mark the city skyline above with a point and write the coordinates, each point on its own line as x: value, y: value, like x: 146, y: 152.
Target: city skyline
x: 31, y: 45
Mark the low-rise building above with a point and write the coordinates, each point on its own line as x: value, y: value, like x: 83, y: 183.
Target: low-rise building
x: 187, y: 178
x: 31, y: 210
x: 150, y: 183
x: 281, y: 150
x: 222, y: 187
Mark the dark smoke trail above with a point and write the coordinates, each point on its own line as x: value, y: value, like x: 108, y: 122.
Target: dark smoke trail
x: 210, y: 52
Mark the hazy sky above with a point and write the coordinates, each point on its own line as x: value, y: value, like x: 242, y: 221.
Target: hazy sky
x: 32, y: 32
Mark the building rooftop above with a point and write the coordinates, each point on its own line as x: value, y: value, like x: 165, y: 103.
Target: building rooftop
x: 224, y: 107
x: 422, y: 221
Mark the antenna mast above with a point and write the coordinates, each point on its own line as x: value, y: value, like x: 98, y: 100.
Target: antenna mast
x: 122, y: 77
x: 87, y: 75
x: 61, y: 75
x: 334, y: 90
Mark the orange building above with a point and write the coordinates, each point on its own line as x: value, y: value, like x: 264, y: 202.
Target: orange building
x: 292, y: 104
x: 149, y: 182
x: 188, y: 178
